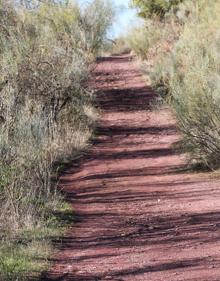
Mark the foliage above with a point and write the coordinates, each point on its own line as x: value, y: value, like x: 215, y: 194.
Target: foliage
x: 140, y: 39
x: 151, y: 8
x: 46, y: 112
x: 186, y: 73
x: 116, y: 46
x: 95, y: 21
x: 192, y: 78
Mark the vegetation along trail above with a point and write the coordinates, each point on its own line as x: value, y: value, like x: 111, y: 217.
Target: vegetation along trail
x: 139, y: 215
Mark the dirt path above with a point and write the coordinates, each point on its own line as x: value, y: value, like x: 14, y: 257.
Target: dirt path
x: 138, y: 215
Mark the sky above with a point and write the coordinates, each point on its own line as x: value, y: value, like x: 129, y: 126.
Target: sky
x: 125, y: 17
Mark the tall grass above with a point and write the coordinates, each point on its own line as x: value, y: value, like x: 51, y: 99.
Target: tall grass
x: 46, y: 111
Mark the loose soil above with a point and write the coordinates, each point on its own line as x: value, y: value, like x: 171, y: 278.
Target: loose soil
x: 139, y: 214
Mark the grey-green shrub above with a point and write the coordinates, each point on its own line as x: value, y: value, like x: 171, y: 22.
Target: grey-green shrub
x: 190, y: 75
x: 46, y: 112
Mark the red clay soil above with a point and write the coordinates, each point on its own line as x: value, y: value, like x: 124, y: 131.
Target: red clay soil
x: 139, y: 215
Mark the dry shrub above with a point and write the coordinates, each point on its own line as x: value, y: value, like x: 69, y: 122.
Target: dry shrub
x: 182, y: 53
x: 46, y: 112
x: 189, y: 74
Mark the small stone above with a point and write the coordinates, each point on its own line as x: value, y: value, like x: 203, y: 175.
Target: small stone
x: 108, y: 278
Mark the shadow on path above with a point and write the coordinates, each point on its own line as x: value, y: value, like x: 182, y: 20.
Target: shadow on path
x: 135, y: 205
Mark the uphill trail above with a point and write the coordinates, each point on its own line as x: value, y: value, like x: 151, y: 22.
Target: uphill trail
x: 139, y: 214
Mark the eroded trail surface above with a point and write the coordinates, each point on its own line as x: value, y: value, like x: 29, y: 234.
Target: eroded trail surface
x: 139, y: 215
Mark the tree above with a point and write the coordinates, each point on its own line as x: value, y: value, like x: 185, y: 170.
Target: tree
x: 152, y: 8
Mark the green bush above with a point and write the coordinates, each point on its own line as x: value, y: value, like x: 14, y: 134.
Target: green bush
x: 152, y: 8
